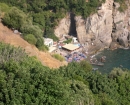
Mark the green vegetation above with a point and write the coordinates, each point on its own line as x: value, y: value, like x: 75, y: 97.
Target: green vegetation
x: 68, y: 41
x: 43, y: 48
x: 4, y: 7
x: 58, y: 57
x: 30, y: 38
x: 14, y: 18
x: 25, y: 81
x: 17, y: 19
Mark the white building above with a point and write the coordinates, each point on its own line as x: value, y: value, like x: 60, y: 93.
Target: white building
x: 75, y: 40
x: 48, y: 42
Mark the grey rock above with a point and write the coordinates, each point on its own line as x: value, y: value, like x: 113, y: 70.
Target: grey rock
x: 114, y: 45
x: 63, y: 27
x: 123, y: 38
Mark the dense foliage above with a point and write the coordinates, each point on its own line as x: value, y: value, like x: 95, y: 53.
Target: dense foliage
x: 25, y: 81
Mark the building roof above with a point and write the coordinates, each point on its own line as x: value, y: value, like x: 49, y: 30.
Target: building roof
x: 47, y: 40
x: 70, y: 47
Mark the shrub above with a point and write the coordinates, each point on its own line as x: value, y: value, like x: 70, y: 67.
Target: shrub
x: 68, y: 41
x: 43, y: 48
x: 30, y: 38
x: 31, y: 29
x: 40, y: 42
x: 85, y: 66
x: 14, y: 18
x: 58, y: 57
x: 4, y: 7
x: 49, y: 33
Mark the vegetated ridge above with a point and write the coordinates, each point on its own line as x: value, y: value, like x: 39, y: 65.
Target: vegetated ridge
x: 7, y: 36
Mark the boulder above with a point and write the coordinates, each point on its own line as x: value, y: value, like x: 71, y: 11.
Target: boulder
x: 123, y: 38
x: 114, y: 45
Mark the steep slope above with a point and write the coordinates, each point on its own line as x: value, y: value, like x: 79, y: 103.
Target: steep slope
x: 7, y: 36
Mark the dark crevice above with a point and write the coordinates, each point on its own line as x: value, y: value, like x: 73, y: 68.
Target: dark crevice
x: 117, y: 40
x: 72, y: 30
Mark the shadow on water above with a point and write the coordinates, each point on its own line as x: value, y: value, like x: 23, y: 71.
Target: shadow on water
x: 72, y: 30
x: 117, y: 58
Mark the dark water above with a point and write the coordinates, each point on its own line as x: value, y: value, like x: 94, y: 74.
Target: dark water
x: 115, y: 58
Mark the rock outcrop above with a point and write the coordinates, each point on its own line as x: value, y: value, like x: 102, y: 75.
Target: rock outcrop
x: 98, y: 26
x: 121, y: 25
x: 99, y: 30
x: 63, y: 27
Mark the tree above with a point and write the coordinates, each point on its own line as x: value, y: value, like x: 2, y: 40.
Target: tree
x: 15, y: 18
x: 39, y: 20
x: 30, y: 38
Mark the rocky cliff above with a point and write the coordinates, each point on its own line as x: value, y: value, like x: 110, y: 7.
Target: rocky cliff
x: 106, y: 28
x: 63, y: 27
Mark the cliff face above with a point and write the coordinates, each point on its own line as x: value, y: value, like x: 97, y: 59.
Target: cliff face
x: 103, y: 28
x: 63, y: 27
x: 98, y: 26
x: 121, y: 25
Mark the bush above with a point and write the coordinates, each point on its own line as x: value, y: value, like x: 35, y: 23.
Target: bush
x: 86, y: 66
x: 31, y: 29
x: 40, y: 42
x: 68, y: 41
x: 14, y: 18
x: 30, y: 39
x: 4, y: 7
x: 49, y: 33
x: 58, y: 57
x: 43, y: 48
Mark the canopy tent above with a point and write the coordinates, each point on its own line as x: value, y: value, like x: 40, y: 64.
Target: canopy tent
x: 70, y: 47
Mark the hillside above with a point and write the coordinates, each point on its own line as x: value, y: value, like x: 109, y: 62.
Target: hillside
x: 7, y: 36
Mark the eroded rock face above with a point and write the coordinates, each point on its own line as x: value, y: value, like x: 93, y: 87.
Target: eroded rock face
x: 98, y: 27
x: 123, y: 38
x: 106, y: 26
x: 121, y: 26
x: 63, y: 27
x: 81, y: 29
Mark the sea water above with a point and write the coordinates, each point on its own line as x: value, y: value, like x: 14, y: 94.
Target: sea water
x: 116, y: 58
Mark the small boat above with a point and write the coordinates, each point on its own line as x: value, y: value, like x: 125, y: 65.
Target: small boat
x: 98, y: 64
